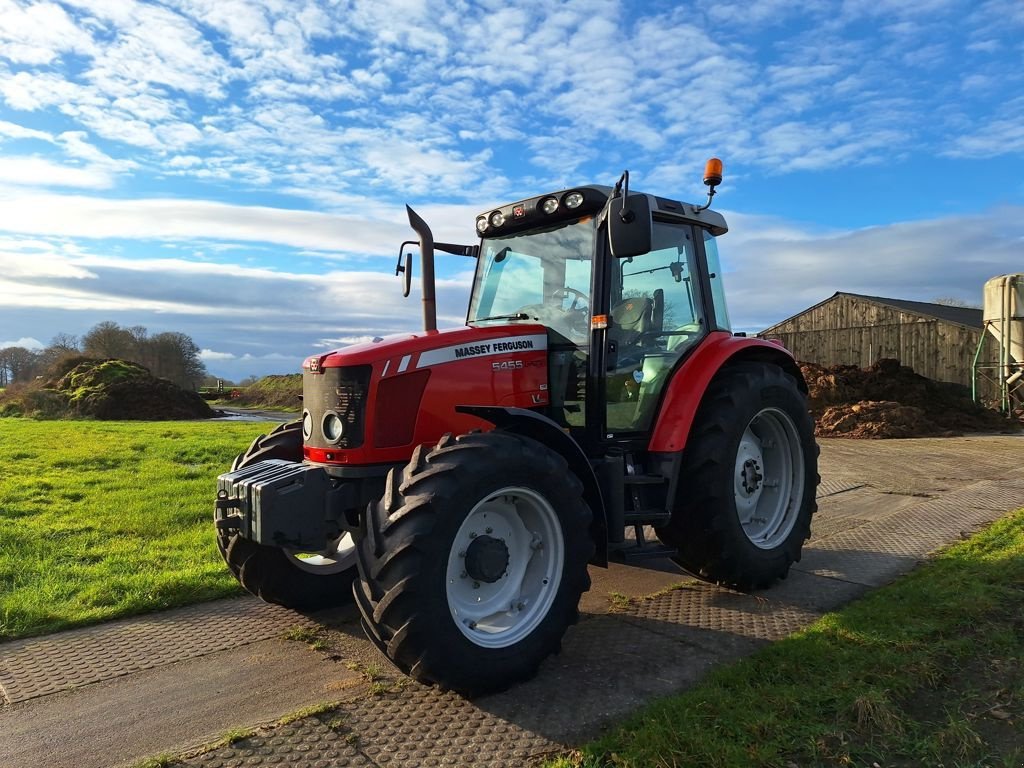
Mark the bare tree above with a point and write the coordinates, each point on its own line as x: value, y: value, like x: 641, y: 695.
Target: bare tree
x: 108, y: 339
x: 169, y: 355
x: 62, y: 346
x: 17, y: 364
x: 952, y: 301
x: 175, y: 356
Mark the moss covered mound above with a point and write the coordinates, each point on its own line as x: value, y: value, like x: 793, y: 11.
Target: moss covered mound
x: 279, y: 391
x: 106, y: 389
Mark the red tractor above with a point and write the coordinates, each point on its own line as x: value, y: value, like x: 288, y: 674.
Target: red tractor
x: 459, y: 482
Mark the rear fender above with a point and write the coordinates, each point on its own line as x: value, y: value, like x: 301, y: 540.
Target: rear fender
x: 542, y: 429
x: 686, y: 390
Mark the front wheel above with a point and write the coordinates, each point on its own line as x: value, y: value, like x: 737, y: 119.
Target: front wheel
x: 472, y: 565
x: 300, y: 580
x: 746, y: 491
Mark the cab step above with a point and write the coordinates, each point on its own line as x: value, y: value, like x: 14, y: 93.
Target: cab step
x: 655, y: 517
x: 633, y: 553
x: 644, y: 480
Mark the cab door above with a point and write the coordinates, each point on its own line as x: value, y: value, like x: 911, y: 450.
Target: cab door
x: 655, y: 315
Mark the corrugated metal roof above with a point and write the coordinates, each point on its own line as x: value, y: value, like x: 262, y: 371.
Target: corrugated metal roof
x: 969, y: 316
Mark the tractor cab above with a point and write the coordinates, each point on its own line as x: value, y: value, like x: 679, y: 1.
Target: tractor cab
x: 623, y: 301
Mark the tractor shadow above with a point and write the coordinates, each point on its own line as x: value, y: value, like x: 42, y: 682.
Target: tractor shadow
x: 637, y: 648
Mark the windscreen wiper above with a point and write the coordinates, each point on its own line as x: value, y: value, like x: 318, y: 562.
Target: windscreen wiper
x: 514, y: 316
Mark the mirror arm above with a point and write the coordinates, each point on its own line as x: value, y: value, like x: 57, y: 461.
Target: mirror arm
x: 472, y: 251
x: 622, y: 187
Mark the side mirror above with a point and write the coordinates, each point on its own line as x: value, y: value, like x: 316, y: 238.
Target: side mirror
x: 629, y: 226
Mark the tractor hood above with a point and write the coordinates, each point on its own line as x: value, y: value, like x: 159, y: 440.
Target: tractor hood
x: 409, y: 351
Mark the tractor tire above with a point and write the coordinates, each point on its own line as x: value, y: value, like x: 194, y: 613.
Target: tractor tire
x: 472, y: 565
x: 747, y: 482
x: 305, y: 583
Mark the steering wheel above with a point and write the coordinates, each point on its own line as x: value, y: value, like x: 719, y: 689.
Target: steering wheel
x: 562, y: 293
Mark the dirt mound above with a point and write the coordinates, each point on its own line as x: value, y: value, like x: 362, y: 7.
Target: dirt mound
x: 890, y: 400
x: 277, y: 391
x: 106, y: 389
x: 117, y: 389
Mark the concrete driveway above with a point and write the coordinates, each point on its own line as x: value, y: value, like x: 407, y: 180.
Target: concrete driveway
x: 170, y: 682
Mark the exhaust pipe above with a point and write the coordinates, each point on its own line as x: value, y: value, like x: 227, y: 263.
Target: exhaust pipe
x: 420, y: 227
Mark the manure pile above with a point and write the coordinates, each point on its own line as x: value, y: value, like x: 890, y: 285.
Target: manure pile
x: 118, y: 389
x: 104, y: 389
x: 890, y: 400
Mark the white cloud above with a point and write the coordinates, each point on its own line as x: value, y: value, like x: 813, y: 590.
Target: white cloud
x: 15, y: 131
x: 208, y: 355
x: 780, y: 271
x: 92, y: 217
x: 25, y: 341
x: 39, y: 33
x: 40, y: 172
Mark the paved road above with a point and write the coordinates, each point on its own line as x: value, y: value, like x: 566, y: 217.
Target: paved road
x: 113, y: 694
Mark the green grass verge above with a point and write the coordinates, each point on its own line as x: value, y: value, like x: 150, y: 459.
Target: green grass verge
x: 105, y: 519
x: 926, y: 671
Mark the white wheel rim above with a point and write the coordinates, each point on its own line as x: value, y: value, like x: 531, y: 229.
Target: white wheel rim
x: 503, y: 612
x: 338, y: 557
x: 769, y: 478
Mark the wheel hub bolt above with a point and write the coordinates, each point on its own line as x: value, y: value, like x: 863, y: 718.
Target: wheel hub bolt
x: 462, y: 553
x: 472, y: 625
x: 472, y: 534
x: 489, y: 530
x: 463, y: 575
x: 476, y: 585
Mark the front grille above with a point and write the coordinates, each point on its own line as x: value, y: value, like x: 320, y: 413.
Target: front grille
x: 341, y: 391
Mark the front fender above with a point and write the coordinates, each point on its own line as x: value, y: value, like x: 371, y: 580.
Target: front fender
x: 542, y: 429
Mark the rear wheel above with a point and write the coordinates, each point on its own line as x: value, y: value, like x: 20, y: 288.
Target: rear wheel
x: 747, y: 482
x: 472, y: 565
x: 305, y: 581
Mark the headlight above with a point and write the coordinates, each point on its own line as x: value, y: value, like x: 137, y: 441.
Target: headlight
x: 481, y: 224
x: 497, y: 219
x: 574, y: 200
x: 549, y: 205
x: 307, y: 425
x: 333, y: 427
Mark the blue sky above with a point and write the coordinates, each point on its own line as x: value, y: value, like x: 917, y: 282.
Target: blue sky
x: 237, y: 170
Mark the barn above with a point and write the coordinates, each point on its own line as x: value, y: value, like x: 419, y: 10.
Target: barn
x: 936, y: 340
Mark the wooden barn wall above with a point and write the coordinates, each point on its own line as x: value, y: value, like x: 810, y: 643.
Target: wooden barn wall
x: 848, y: 331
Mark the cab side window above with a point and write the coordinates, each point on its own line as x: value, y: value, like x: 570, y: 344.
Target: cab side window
x: 655, y: 317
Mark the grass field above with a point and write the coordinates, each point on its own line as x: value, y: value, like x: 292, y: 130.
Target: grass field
x: 926, y: 672
x: 105, y: 519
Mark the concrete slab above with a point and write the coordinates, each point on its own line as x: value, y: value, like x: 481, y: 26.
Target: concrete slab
x: 171, y: 707
x: 608, y: 585
x: 41, y: 666
x: 883, y: 506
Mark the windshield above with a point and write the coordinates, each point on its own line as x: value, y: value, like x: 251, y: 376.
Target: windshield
x: 539, y: 276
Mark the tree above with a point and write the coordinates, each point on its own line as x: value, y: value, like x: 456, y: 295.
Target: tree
x: 169, y: 355
x: 174, y: 356
x: 951, y: 301
x: 108, y: 339
x: 62, y: 346
x: 17, y: 364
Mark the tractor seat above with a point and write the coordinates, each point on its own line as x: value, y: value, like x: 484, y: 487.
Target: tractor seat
x: 631, y: 318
